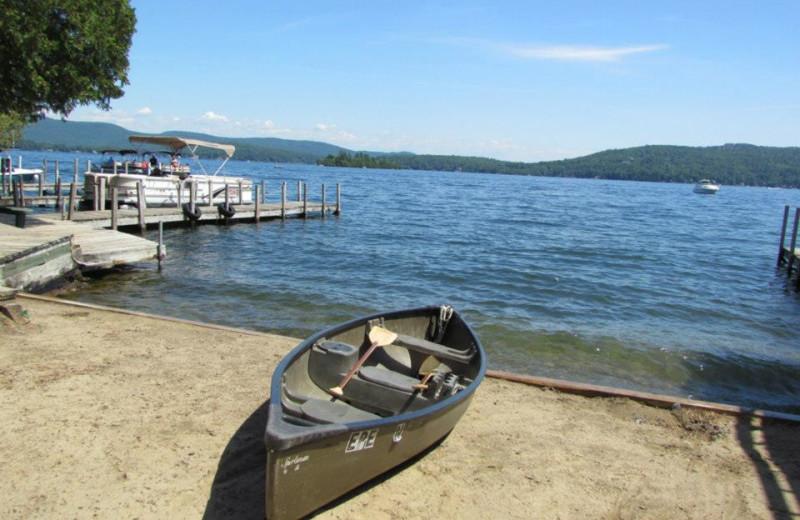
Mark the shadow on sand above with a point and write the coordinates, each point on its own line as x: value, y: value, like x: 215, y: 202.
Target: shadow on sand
x: 238, y: 488
x: 238, y: 491
x: 774, y: 448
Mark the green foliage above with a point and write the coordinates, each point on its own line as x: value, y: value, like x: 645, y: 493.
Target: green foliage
x: 358, y: 160
x: 730, y: 164
x: 11, y: 127
x: 58, y: 54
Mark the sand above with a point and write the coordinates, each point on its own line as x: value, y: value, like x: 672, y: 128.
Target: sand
x: 111, y: 415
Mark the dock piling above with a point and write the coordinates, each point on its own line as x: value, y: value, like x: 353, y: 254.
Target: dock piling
x: 114, y: 208
x: 59, y: 195
x: 305, y: 200
x: 42, y: 177
x: 793, y: 242
x: 161, y: 252
x: 783, y: 234
x: 338, y: 211
x: 283, y: 201
x: 73, y: 193
x: 323, y: 201
x: 141, y: 204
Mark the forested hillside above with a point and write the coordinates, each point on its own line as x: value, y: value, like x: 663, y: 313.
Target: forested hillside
x: 730, y: 164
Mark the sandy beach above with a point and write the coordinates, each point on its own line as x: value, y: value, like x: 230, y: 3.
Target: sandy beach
x: 121, y: 415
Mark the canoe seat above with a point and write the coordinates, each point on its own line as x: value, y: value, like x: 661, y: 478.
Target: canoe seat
x: 334, y: 412
x: 388, y: 378
x: 434, y: 349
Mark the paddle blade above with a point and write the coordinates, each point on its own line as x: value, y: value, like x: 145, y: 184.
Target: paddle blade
x: 429, y: 365
x: 381, y: 337
x: 337, y: 391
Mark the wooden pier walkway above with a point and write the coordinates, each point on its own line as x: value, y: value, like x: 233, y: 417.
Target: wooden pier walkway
x: 45, y: 252
x: 790, y: 256
x: 38, y: 250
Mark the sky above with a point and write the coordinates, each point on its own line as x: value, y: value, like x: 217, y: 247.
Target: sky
x: 512, y: 80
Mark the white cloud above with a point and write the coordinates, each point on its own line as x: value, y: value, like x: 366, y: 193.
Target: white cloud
x: 269, y: 124
x: 577, y: 52
x: 322, y: 127
x: 144, y: 111
x: 214, y: 117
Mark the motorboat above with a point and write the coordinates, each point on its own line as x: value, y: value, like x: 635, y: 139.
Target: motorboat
x: 166, y: 183
x: 13, y: 173
x: 706, y: 187
x: 356, y: 400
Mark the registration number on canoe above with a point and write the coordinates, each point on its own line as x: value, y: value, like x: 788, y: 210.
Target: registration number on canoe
x: 363, y: 440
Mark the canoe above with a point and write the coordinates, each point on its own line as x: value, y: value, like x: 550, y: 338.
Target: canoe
x: 357, y: 400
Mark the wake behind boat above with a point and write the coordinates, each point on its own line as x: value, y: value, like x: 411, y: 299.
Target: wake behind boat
x: 166, y: 183
x: 706, y: 187
x: 356, y: 400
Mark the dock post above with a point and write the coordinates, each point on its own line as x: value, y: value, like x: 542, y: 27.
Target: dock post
x: 114, y: 209
x: 192, y: 199
x: 783, y: 234
x: 793, y: 242
x: 263, y: 192
x: 140, y: 204
x: 298, y: 191
x: 283, y: 201
x: 15, y: 192
x: 227, y: 202
x: 338, y: 200
x: 179, y: 189
x: 59, y: 196
x: 257, y: 202
x: 3, y: 163
x: 102, y: 190
x: 210, y: 193
x: 21, y: 194
x: 75, y: 171
x: 305, y: 200
x: 241, y: 194
x: 42, y: 177
x: 160, y: 252
x: 73, y: 192
x: 323, y: 201
x: 57, y: 172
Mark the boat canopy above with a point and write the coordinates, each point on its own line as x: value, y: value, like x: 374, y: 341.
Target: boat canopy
x: 179, y: 143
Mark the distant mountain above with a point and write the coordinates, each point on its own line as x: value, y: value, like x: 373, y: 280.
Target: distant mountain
x: 87, y: 136
x: 730, y: 164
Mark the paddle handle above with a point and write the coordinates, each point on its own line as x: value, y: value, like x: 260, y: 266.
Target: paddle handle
x: 424, y: 384
x: 339, y: 390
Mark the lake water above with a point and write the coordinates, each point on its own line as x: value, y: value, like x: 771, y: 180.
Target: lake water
x: 644, y: 286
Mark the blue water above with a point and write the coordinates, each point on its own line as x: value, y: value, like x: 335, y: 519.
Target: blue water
x: 645, y: 286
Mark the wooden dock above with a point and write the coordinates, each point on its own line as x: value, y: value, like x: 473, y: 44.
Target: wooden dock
x: 790, y: 255
x: 38, y: 250
x: 45, y: 252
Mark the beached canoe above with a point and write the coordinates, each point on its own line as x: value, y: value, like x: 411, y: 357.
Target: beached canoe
x: 354, y: 401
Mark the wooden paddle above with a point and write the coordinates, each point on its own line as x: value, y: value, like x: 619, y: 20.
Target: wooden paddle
x: 378, y: 337
x: 428, y: 368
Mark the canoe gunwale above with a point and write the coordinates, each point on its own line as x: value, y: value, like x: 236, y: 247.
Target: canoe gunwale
x: 281, y: 435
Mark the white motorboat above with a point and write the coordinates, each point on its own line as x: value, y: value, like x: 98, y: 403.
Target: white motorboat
x: 706, y: 187
x: 12, y: 174
x: 166, y: 183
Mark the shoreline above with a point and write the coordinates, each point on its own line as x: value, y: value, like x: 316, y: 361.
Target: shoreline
x: 151, y: 416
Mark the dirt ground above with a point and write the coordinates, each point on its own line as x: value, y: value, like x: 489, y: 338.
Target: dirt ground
x: 112, y: 415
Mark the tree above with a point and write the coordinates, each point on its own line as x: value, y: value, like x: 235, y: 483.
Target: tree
x: 58, y: 54
x: 11, y: 126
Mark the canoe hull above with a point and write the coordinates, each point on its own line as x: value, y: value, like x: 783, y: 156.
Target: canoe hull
x: 305, y: 478
x: 310, y: 467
